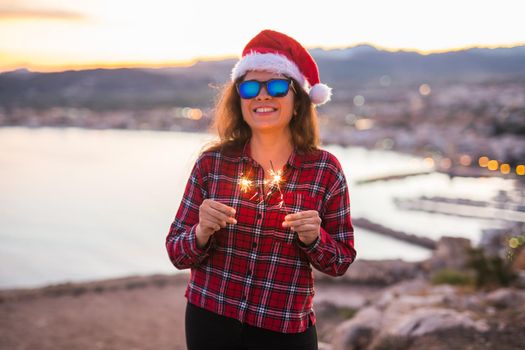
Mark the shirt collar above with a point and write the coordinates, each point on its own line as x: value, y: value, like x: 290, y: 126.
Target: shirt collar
x: 295, y: 160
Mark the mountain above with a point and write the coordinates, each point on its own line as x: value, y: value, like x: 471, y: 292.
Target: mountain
x: 348, y: 68
x: 408, y: 67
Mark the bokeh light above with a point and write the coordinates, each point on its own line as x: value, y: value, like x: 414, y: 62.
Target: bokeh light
x: 364, y: 124
x: 350, y: 118
x: 424, y: 89
x: 446, y: 163
x: 386, y: 143
x: 514, y: 243
x: 483, y: 161
x: 493, y: 165
x: 385, y: 80
x: 428, y: 161
x: 465, y: 160
x: 359, y: 100
x: 505, y: 168
x: 195, y: 114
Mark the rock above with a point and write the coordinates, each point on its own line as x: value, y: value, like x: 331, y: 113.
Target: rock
x: 412, y: 293
x: 409, y: 327
x: 403, y: 321
x: 473, y: 302
x: 406, y: 303
x: 426, y: 320
x: 518, y: 263
x: 415, y: 315
x: 378, y: 272
x: 343, y: 295
x: 324, y: 346
x: 495, y: 241
x: 520, y: 280
x: 414, y: 301
x: 506, y: 297
x: 492, y: 240
x: 402, y: 288
x: 357, y: 332
x: 413, y: 286
x: 451, y: 252
x: 446, y: 290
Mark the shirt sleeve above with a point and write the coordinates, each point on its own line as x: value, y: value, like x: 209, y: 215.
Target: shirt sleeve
x: 181, y: 242
x: 333, y: 251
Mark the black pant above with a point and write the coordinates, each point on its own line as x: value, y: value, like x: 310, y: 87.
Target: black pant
x: 206, y: 330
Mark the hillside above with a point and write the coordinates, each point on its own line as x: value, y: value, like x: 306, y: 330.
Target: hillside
x: 345, y: 70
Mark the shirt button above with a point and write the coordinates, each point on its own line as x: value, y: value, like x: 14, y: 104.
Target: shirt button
x: 254, y: 245
x: 259, y: 216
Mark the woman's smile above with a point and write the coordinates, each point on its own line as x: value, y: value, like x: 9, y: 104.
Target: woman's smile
x: 264, y: 110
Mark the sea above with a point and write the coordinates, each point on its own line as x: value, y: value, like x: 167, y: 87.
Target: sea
x: 80, y: 205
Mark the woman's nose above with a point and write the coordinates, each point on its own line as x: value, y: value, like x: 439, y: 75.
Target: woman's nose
x: 263, y: 94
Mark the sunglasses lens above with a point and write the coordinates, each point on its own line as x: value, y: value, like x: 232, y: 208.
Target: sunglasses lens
x: 278, y: 87
x: 249, y: 89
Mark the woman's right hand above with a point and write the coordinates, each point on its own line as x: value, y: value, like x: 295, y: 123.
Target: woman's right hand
x: 212, y: 217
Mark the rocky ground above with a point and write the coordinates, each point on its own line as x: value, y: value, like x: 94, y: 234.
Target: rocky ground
x: 417, y: 315
x: 377, y: 305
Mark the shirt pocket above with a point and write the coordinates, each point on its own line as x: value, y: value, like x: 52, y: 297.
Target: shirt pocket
x: 293, y: 202
x: 301, y: 201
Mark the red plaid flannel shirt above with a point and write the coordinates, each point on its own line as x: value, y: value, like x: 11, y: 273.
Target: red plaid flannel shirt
x: 256, y: 271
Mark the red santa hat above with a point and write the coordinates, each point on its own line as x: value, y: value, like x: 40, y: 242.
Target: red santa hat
x: 278, y: 53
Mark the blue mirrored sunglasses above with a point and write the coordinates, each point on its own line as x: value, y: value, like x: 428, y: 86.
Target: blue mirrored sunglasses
x: 275, y: 87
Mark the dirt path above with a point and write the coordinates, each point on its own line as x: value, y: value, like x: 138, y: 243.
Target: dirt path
x: 130, y: 313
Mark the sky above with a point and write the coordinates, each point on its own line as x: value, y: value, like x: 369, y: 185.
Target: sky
x: 54, y: 35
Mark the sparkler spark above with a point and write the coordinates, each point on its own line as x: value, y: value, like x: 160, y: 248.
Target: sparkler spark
x: 245, y: 184
x: 276, y: 176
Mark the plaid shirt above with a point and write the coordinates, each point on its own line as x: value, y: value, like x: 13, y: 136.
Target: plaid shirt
x: 256, y: 271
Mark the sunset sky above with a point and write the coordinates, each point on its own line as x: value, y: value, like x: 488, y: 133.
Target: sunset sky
x: 51, y: 35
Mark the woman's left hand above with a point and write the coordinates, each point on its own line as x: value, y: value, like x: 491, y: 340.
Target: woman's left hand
x: 307, y: 224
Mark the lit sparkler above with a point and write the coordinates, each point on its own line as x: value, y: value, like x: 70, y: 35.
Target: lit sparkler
x: 273, y: 183
x: 245, y: 184
x: 276, y: 177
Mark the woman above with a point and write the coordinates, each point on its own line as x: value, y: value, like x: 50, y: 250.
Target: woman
x: 261, y: 207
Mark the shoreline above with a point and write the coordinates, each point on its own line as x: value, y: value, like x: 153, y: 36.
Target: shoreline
x: 180, y: 278
x: 77, y: 288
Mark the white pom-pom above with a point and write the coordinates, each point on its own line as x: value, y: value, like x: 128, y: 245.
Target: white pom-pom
x: 320, y: 94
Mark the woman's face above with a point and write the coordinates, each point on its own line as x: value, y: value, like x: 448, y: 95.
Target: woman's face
x: 265, y: 113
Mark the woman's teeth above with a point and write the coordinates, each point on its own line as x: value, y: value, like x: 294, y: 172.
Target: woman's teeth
x: 264, y: 109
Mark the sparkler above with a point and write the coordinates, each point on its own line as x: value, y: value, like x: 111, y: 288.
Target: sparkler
x: 273, y: 183
x: 245, y: 184
x: 275, y: 177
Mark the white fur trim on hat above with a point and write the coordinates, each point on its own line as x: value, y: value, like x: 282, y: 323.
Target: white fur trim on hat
x: 320, y: 94
x: 270, y: 62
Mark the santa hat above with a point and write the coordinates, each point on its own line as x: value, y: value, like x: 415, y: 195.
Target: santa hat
x: 278, y: 53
